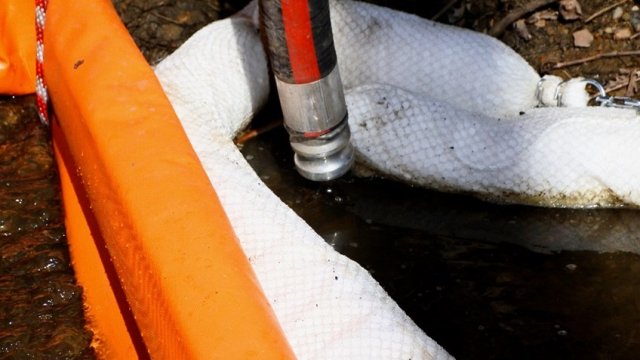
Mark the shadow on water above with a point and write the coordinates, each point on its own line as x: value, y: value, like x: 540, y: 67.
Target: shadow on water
x: 485, y: 281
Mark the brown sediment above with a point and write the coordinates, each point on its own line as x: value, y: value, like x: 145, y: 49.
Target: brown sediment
x: 40, y: 303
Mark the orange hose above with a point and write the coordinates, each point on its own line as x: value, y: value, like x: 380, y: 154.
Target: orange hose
x: 185, y: 277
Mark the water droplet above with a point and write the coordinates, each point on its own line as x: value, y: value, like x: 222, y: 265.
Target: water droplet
x: 571, y: 267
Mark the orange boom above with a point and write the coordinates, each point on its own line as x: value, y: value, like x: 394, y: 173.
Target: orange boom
x: 148, y: 236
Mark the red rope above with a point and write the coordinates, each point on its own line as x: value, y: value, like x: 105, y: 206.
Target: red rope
x: 41, y: 87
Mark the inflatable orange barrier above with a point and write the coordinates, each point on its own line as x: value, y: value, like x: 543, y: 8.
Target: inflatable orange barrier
x: 115, y: 334
x: 17, y: 47
x: 149, y: 238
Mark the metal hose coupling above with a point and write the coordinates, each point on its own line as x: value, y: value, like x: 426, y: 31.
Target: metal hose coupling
x: 315, y: 115
x: 303, y: 60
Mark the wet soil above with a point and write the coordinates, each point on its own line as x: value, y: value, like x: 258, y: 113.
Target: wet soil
x: 160, y: 26
x: 41, y: 313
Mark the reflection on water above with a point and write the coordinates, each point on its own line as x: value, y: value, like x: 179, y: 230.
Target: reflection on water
x: 485, y: 281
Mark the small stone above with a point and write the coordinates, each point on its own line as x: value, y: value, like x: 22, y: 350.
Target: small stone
x: 170, y: 32
x: 635, y: 8
x: 617, y: 13
x: 608, y: 30
x: 570, y: 9
x: 582, y: 38
x: 456, y: 14
x: 622, y: 34
x: 571, y: 267
x: 522, y: 30
x: 635, y: 21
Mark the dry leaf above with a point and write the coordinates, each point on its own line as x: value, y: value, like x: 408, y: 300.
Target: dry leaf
x: 582, y: 38
x: 625, y: 79
x: 632, y: 88
x: 621, y: 79
x: 570, y: 9
x: 539, y: 19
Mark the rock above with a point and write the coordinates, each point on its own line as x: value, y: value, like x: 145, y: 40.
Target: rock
x: 622, y: 34
x: 170, y: 32
x: 617, y: 13
x: 570, y: 9
x: 635, y: 20
x: 582, y: 38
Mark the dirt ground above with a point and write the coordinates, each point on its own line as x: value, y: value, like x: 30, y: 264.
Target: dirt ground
x: 543, y: 35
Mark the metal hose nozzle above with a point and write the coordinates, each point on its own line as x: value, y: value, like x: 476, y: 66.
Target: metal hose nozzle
x: 304, y: 62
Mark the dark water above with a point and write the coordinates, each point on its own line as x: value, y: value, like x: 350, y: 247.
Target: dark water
x: 485, y: 281
x: 41, y: 314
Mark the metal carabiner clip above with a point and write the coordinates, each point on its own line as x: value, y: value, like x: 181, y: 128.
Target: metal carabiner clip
x: 621, y: 102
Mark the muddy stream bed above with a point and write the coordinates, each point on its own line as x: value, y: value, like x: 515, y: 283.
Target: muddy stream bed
x: 485, y: 281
